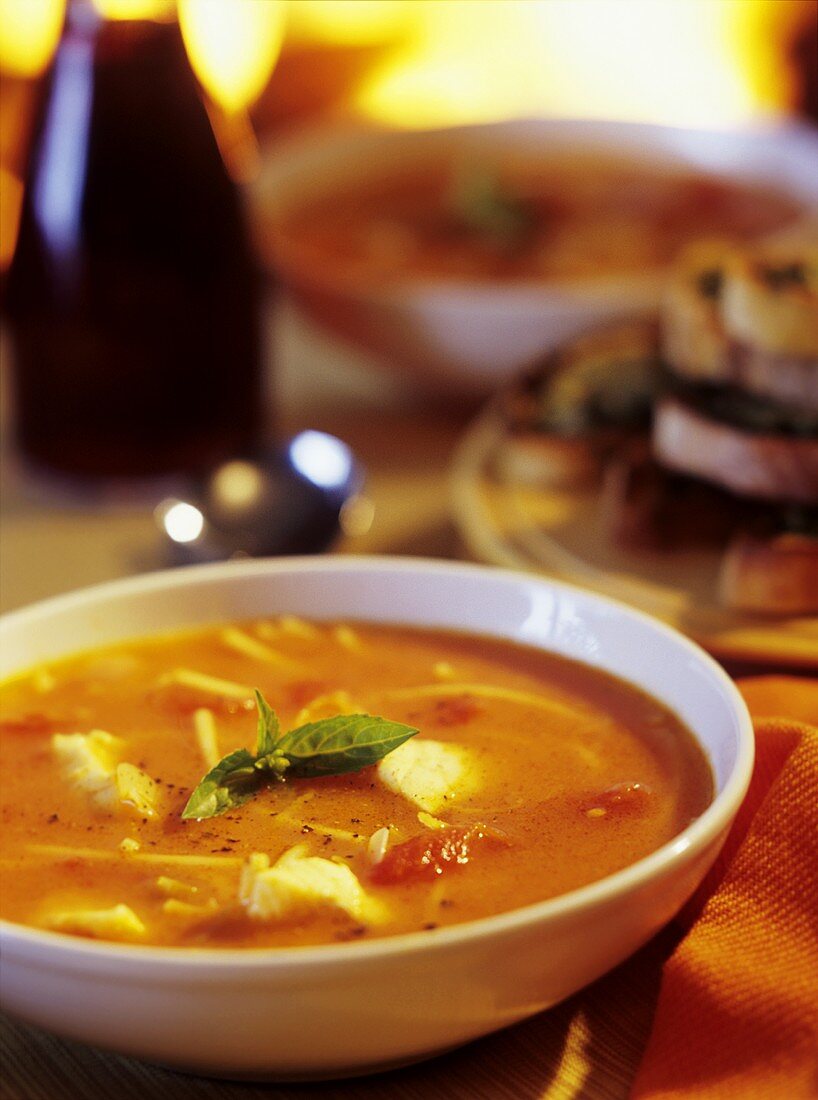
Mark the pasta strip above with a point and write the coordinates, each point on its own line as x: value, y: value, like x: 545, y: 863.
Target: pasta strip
x: 188, y: 677
x: 250, y: 647
x: 59, y: 851
x: 291, y: 624
x: 443, y: 670
x: 204, y: 725
x: 345, y: 636
x: 44, y: 682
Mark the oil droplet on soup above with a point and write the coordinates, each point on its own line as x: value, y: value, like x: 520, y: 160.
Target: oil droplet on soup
x: 529, y: 776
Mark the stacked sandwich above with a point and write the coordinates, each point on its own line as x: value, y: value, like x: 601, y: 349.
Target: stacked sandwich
x: 740, y: 340
x: 701, y: 431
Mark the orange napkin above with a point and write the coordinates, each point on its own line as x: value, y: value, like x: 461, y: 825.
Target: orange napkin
x: 737, y: 1017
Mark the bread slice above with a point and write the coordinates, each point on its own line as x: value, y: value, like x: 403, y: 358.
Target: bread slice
x: 580, y: 404
x: 770, y: 300
x: 747, y: 318
x: 777, y: 575
x: 692, y: 335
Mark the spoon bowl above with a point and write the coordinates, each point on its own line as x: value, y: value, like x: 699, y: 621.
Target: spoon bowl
x: 288, y: 500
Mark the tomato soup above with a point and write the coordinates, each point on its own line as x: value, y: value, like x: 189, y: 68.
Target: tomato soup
x: 585, y: 217
x: 144, y: 799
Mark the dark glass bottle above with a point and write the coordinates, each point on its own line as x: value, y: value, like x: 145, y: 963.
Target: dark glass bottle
x: 133, y: 295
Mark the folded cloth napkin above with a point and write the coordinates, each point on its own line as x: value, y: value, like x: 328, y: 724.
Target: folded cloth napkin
x: 737, y: 1017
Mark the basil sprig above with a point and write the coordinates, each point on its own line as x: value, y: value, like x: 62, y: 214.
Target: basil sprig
x: 344, y: 743
x: 483, y: 205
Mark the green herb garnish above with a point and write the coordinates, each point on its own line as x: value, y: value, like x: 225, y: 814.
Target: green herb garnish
x: 344, y: 743
x: 482, y: 204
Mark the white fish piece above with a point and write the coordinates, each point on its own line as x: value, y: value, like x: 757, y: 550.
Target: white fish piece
x: 117, y: 923
x: 432, y: 774
x: 298, y: 884
x: 89, y: 762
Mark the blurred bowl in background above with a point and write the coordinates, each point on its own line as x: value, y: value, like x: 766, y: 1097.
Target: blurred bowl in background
x: 411, y: 246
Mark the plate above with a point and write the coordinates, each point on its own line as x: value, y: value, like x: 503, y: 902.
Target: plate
x: 562, y: 533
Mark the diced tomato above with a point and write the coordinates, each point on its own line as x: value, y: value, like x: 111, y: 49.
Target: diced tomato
x: 433, y: 853
x: 30, y: 723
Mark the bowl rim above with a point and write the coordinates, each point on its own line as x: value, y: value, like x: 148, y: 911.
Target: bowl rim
x: 166, y: 962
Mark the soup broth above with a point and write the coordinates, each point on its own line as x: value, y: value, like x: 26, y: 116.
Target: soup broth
x: 528, y: 220
x: 530, y: 775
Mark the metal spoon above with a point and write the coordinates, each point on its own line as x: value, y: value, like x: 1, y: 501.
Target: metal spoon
x: 290, y: 500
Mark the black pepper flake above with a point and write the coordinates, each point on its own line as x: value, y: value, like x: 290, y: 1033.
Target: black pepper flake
x: 355, y: 821
x: 780, y: 278
x: 327, y: 839
x: 52, y: 818
x: 710, y: 282
x: 428, y: 927
x: 307, y: 829
x: 445, y: 903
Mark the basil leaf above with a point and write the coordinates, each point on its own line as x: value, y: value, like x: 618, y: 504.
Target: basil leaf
x: 486, y: 207
x: 269, y: 730
x: 332, y: 746
x: 229, y: 784
x: 341, y: 744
